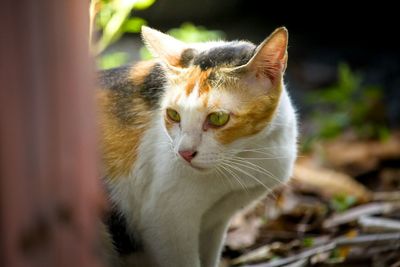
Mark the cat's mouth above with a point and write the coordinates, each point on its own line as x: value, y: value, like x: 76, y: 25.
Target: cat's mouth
x: 201, y: 169
x: 194, y: 166
x: 198, y: 168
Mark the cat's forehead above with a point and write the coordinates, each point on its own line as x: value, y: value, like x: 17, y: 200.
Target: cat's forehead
x: 218, y: 54
x: 194, y: 89
x: 201, y: 84
x: 202, y: 90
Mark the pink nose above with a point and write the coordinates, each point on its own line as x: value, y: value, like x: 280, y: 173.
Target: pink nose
x: 188, y: 155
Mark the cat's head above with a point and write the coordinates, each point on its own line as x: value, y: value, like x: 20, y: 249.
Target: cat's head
x: 219, y: 94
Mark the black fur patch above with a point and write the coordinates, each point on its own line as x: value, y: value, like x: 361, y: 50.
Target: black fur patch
x: 124, y: 242
x: 123, y: 89
x: 154, y: 85
x: 115, y: 79
x: 231, y: 54
x: 187, y: 57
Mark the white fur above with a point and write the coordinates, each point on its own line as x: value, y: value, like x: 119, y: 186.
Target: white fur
x: 182, y: 213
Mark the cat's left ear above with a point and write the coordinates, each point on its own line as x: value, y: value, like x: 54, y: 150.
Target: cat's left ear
x: 164, y: 46
x: 270, y: 59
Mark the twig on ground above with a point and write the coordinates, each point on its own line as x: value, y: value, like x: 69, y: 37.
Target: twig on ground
x: 364, y: 240
x: 299, y: 263
x: 374, y: 224
x: 303, y: 255
x: 363, y: 210
x: 386, y: 196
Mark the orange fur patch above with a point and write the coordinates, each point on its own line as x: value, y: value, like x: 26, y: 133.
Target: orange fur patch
x: 204, y: 85
x: 120, y: 142
x: 197, y: 76
x: 190, y: 84
x: 175, y: 61
x: 141, y: 70
x: 251, y: 118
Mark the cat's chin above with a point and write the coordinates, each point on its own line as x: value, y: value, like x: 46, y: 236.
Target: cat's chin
x: 197, y: 168
x: 200, y: 169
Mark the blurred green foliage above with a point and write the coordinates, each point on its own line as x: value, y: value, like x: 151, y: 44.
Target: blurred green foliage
x: 114, y: 18
x: 347, y: 105
x: 308, y: 242
x: 336, y: 257
x: 342, y: 202
x: 189, y: 33
x: 112, y: 60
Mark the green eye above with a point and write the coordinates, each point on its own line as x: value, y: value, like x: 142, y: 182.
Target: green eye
x: 218, y: 119
x: 173, y: 115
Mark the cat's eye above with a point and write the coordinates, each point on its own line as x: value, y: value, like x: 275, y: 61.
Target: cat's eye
x: 218, y: 119
x: 173, y: 115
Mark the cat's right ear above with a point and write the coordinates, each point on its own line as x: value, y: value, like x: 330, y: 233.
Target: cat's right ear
x: 163, y: 46
x: 267, y: 66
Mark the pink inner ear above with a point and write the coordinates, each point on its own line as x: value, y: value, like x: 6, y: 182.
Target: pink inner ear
x: 268, y: 66
x: 258, y: 83
x: 270, y: 60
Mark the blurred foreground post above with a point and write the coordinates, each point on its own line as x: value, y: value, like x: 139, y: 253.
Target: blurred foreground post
x: 48, y: 186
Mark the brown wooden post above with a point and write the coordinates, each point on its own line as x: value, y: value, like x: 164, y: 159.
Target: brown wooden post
x: 48, y: 183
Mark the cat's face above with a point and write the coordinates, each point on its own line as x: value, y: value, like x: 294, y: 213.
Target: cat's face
x: 219, y: 95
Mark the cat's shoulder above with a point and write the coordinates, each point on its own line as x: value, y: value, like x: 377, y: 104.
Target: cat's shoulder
x: 114, y: 78
x: 147, y: 78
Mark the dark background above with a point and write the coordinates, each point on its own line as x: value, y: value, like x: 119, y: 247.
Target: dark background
x: 322, y: 35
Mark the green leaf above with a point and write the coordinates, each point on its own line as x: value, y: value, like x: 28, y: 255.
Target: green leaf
x: 104, y: 16
x: 145, y: 53
x: 347, y: 105
x: 383, y: 133
x: 113, y: 27
x: 342, y: 202
x: 308, y: 242
x: 112, y: 60
x: 134, y: 25
x: 143, y: 4
x: 190, y: 33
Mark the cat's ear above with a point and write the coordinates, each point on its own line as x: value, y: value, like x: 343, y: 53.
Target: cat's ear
x: 163, y: 46
x: 270, y: 58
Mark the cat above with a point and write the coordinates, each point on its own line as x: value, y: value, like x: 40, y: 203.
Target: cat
x: 188, y: 139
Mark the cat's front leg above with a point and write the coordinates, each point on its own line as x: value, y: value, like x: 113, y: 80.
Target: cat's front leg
x: 211, y: 244
x: 215, y: 222
x: 172, y: 241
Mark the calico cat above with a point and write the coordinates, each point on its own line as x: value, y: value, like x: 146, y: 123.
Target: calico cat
x: 188, y: 139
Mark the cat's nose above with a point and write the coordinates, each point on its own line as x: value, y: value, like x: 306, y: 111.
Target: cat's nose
x: 188, y: 155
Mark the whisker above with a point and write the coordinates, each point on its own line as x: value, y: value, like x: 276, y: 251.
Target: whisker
x: 257, y: 168
x: 167, y: 134
x: 269, y: 189
x: 249, y: 174
x: 278, y: 157
x: 224, y: 176
x: 279, y: 124
x: 260, y: 148
x: 234, y: 175
x: 265, y: 151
